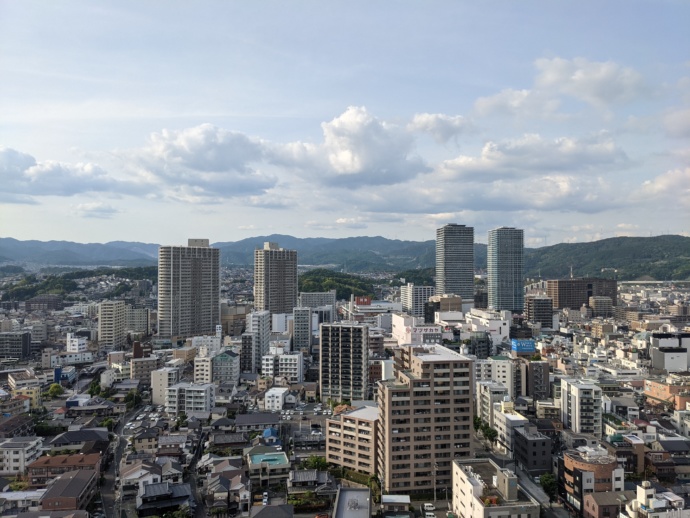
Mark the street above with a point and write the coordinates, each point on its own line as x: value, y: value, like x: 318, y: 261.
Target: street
x: 108, y: 492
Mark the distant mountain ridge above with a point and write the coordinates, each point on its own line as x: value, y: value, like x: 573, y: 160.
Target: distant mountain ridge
x: 660, y: 257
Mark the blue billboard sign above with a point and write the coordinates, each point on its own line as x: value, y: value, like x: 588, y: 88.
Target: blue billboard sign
x: 522, y: 346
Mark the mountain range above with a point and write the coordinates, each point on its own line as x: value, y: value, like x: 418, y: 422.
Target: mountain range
x: 660, y: 257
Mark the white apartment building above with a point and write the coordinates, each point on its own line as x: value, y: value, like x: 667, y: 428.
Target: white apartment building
x: 408, y: 329
x: 506, y: 419
x: 288, y: 366
x: 496, y: 323
x: 488, y: 393
x: 581, y: 409
x: 208, y: 345
x: 53, y: 359
x: 138, y: 320
x: 482, y: 489
x: 413, y: 298
x: 498, y: 368
x: 189, y: 397
x: 16, y: 453
x: 111, y: 324
x: 274, y: 399
x: 161, y: 380
x: 75, y: 344
x: 256, y: 340
x: 317, y: 300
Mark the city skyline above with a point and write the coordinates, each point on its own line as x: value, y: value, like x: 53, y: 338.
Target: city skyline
x: 343, y: 120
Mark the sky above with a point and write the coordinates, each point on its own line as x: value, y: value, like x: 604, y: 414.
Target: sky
x: 159, y: 121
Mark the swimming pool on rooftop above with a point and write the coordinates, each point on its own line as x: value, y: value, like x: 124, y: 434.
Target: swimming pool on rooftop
x: 269, y: 458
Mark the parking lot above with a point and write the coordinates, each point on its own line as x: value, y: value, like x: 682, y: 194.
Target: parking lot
x: 149, y: 413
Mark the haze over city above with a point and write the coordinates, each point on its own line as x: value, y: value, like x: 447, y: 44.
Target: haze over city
x: 153, y: 122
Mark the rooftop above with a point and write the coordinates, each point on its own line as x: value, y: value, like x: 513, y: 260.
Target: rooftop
x: 272, y: 459
x: 352, y: 503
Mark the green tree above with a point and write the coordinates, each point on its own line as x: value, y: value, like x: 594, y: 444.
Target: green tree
x: 477, y: 422
x: 549, y: 485
x: 316, y: 462
x: 535, y: 357
x: 108, y: 423
x: 132, y: 399
x: 56, y: 390
x: 94, y: 388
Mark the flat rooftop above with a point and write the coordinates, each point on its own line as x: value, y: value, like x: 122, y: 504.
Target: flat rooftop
x: 437, y: 353
x: 370, y: 413
x: 352, y: 503
x: 272, y: 459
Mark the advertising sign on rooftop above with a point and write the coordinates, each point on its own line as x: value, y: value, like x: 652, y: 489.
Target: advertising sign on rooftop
x: 522, y: 346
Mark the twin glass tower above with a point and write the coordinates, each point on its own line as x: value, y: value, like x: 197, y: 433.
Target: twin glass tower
x: 505, y: 265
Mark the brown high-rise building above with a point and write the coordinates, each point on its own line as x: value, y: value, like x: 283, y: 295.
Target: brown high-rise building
x: 275, y: 279
x: 425, y: 419
x: 574, y: 293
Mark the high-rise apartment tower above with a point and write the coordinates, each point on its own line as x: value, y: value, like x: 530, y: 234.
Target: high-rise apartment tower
x: 344, y: 361
x: 275, y: 279
x: 455, y: 261
x: 505, y: 269
x: 188, y: 289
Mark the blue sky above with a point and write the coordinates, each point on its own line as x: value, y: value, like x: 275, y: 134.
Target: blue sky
x: 158, y: 121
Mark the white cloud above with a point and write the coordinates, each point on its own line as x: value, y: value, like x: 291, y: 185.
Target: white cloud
x: 22, y: 177
x: 202, y: 164
x: 670, y: 187
x: 440, y: 126
x: 357, y: 150
x: 518, y: 103
x: 533, y: 155
x: 677, y: 123
x: 96, y: 210
x: 357, y: 222
x: 597, y: 83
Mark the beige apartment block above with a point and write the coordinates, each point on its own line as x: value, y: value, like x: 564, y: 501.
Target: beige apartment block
x: 425, y: 419
x: 351, y: 439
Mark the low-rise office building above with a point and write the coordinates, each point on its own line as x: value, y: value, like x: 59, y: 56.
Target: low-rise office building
x: 481, y: 489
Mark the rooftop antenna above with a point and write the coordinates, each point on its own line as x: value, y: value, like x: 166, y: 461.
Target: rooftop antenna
x: 571, y: 271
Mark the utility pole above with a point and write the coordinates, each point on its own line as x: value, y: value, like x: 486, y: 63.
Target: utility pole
x: 435, y: 468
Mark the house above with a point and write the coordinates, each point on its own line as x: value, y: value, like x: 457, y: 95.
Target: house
x: 158, y: 499
x: 14, y: 502
x: 395, y: 503
x: 229, y: 494
x: 76, y: 439
x: 146, y: 440
x: 140, y: 473
x: 71, y: 490
x: 256, y: 422
x: 273, y: 511
x: 318, y: 482
x: 222, y: 424
x: 17, y: 425
x: 605, y: 504
x: 233, y: 443
x: 44, y: 469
